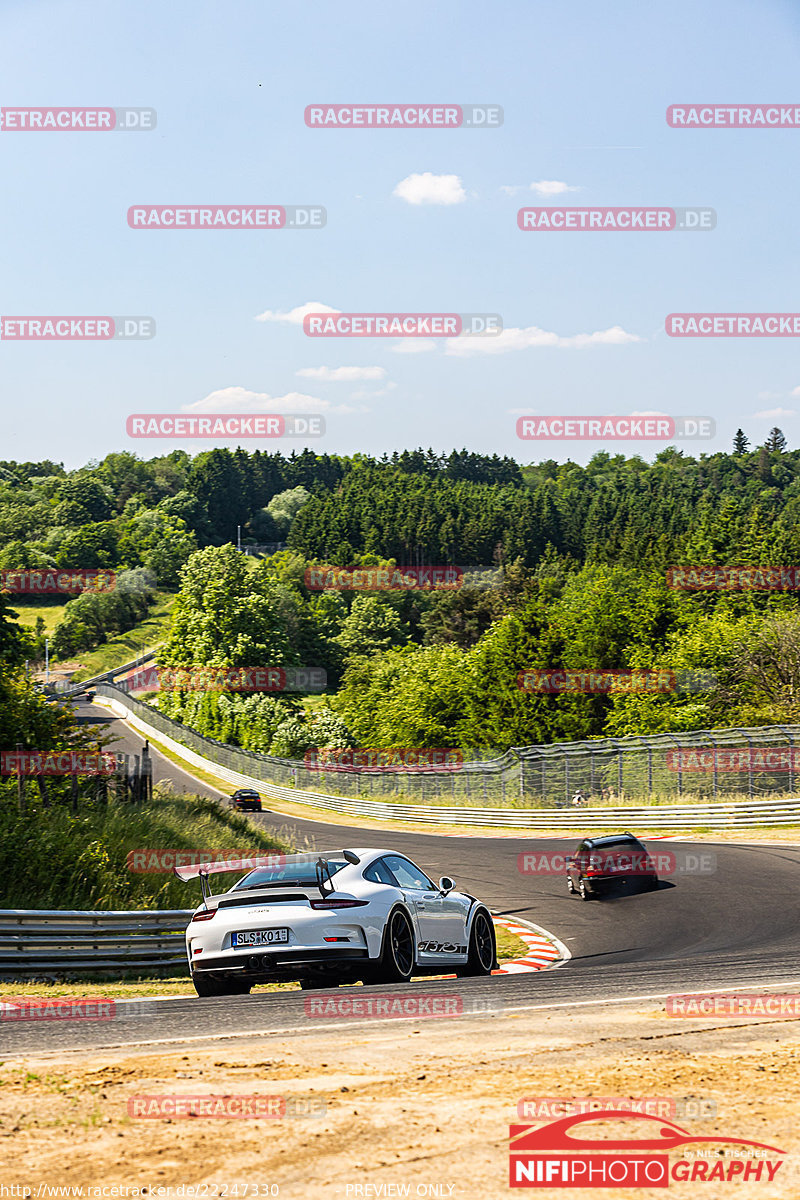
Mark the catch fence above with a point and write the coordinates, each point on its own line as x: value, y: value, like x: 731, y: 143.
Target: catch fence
x: 705, y: 766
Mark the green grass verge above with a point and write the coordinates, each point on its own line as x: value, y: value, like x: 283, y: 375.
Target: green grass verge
x: 50, y: 611
x: 509, y: 945
x: 52, y: 859
x: 125, y: 646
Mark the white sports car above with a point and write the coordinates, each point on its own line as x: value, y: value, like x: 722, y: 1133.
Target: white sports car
x: 332, y: 918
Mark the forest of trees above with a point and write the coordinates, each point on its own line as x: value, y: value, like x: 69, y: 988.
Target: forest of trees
x: 582, y: 554
x: 415, y: 507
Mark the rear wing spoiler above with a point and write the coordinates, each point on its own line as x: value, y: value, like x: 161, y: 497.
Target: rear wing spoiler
x: 202, y: 870
x: 195, y: 870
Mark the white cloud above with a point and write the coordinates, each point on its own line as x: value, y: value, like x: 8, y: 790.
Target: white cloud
x: 295, y: 315
x: 342, y: 374
x: 552, y: 187
x: 431, y: 189
x: 363, y: 394
x: 413, y: 346
x: 241, y: 400
x: 795, y: 391
x: 532, y: 336
x: 776, y: 412
x: 511, y: 190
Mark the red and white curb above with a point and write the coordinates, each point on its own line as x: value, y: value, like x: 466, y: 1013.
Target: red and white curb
x: 544, y: 950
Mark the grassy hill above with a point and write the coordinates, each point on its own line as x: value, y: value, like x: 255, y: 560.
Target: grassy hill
x: 51, y: 859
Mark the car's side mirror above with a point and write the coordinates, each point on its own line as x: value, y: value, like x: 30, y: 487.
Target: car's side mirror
x: 446, y: 885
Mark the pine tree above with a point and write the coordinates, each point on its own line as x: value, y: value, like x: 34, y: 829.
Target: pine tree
x: 776, y: 440
x: 740, y: 443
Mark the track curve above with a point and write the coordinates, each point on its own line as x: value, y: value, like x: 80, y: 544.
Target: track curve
x: 737, y: 927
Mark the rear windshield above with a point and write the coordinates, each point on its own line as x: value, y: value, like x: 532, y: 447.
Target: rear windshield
x: 611, y: 842
x: 302, y: 874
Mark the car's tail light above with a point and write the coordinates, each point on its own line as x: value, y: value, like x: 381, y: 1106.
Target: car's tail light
x: 338, y: 903
x: 204, y: 915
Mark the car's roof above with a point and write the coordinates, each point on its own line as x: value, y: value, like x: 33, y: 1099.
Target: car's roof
x: 611, y: 839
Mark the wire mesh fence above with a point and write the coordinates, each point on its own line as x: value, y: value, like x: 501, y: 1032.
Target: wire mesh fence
x: 702, y: 766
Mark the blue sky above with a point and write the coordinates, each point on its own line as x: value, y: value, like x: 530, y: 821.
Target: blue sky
x: 584, y: 92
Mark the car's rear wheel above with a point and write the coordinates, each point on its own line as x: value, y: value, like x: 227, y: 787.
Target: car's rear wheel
x: 208, y: 985
x: 397, y: 954
x: 652, y: 883
x: 482, y: 952
x: 583, y: 890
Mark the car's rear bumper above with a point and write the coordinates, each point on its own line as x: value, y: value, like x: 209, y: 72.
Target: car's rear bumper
x: 285, y: 964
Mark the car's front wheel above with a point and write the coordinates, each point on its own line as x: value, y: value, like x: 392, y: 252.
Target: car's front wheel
x: 481, y: 954
x: 570, y: 886
x: 397, y: 953
x: 209, y: 985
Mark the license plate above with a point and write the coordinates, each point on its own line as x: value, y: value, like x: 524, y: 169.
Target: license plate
x: 259, y: 937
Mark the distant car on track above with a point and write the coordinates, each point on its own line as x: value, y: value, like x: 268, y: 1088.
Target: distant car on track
x: 602, y: 863
x: 245, y: 800
x: 339, y: 917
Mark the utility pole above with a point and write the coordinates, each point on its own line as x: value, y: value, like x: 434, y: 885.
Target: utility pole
x: 238, y: 537
x: 47, y: 660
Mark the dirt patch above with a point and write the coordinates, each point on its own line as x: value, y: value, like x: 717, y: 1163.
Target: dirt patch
x: 417, y: 1104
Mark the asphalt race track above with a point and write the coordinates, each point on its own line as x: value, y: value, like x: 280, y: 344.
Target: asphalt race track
x: 737, y: 927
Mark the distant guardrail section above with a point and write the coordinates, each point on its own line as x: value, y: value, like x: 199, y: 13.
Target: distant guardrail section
x: 504, y: 778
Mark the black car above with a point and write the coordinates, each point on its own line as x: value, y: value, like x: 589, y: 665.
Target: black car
x: 602, y: 863
x: 245, y: 800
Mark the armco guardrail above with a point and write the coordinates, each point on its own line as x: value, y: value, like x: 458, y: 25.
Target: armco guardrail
x: 43, y: 941
x: 717, y: 815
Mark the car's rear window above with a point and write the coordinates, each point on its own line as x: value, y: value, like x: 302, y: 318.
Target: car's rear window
x: 626, y: 843
x: 303, y: 874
